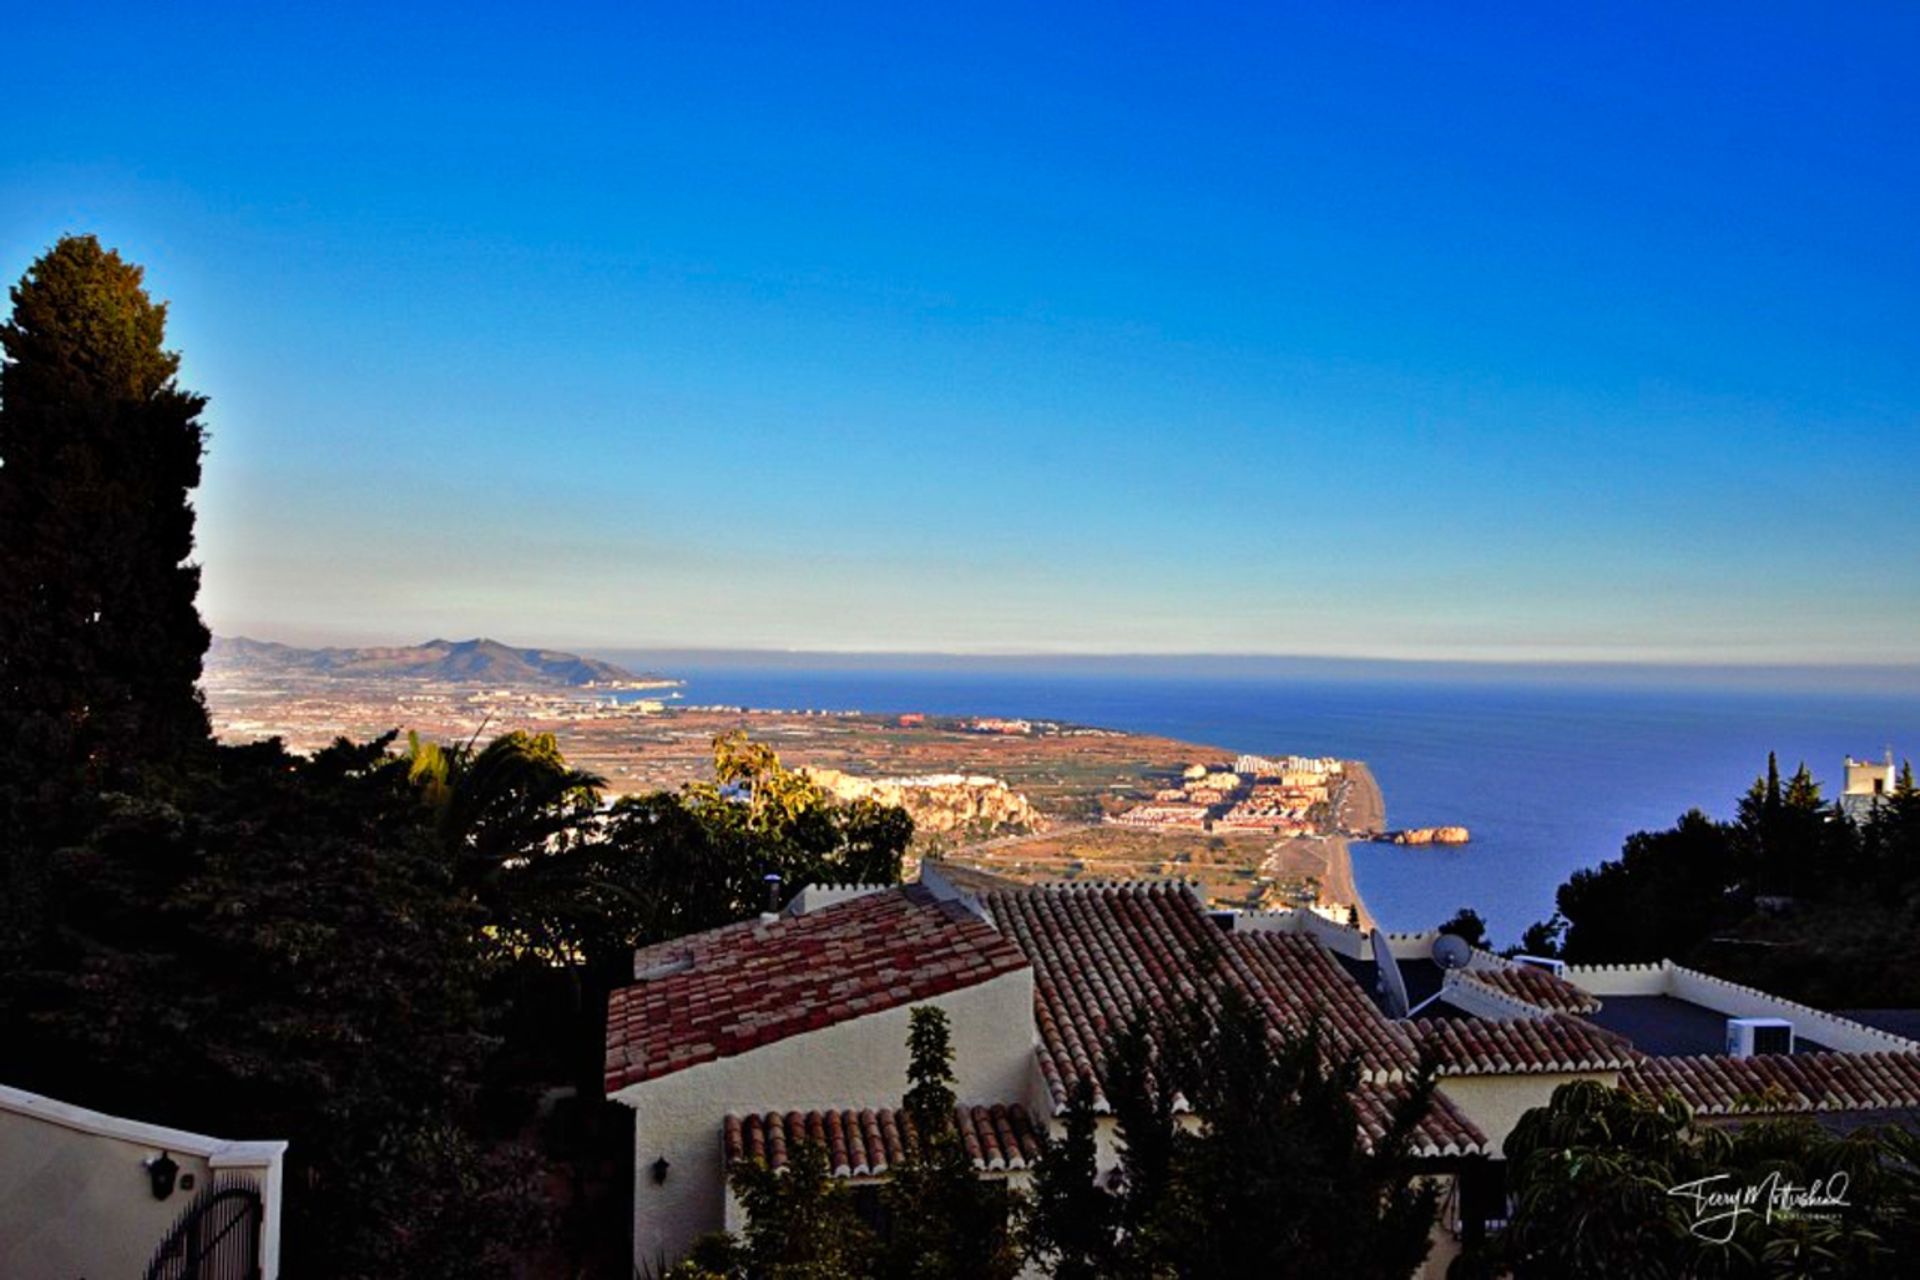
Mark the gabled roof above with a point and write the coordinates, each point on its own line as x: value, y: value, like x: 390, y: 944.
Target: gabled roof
x: 1779, y: 1083
x: 866, y: 1143
x: 1521, y: 1046
x: 1103, y: 954
x: 1535, y: 986
x: 727, y: 991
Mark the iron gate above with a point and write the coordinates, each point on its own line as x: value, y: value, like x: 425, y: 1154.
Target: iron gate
x: 217, y: 1238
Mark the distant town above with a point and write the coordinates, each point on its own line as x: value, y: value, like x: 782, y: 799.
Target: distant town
x: 1028, y: 799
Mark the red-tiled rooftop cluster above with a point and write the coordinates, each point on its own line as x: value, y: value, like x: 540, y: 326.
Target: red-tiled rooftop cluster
x: 1521, y: 1046
x: 1783, y: 1082
x: 863, y: 1144
x: 725, y: 992
x: 1536, y: 986
x: 1102, y: 955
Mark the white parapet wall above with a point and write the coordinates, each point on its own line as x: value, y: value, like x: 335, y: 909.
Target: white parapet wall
x: 1341, y: 939
x: 1621, y: 979
x: 1337, y: 938
x: 815, y: 896
x: 861, y: 1062
x: 76, y: 1199
x: 1830, y: 1029
x: 1735, y: 1001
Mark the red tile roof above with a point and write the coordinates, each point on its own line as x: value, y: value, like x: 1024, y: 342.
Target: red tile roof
x: 1714, y: 1085
x: 1510, y: 1046
x: 1536, y: 986
x: 867, y: 1143
x: 730, y: 990
x: 1102, y: 954
x: 1299, y: 982
x: 1443, y: 1131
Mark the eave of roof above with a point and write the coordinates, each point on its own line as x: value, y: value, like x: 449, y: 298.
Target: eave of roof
x: 1520, y: 1046
x: 732, y: 990
x: 1534, y: 986
x: 860, y: 1143
x: 1715, y: 1085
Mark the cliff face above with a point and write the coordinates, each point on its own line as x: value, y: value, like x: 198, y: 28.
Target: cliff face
x: 941, y: 802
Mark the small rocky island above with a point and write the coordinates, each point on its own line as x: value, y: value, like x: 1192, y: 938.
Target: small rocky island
x: 1431, y: 835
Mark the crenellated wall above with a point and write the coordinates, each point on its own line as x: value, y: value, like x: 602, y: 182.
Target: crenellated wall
x: 1620, y: 979
x: 1735, y: 1001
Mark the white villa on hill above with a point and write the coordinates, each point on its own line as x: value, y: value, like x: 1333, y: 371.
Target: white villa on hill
x: 743, y: 1040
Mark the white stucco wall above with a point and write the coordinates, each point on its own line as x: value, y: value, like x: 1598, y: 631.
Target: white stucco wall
x: 1496, y: 1103
x: 858, y: 1063
x: 75, y: 1199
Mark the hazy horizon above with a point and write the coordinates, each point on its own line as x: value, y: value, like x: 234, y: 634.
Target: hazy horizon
x: 1888, y: 679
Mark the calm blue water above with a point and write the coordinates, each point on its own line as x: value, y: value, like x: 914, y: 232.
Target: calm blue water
x: 1549, y: 779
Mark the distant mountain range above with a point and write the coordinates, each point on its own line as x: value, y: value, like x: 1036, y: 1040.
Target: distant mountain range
x: 475, y: 661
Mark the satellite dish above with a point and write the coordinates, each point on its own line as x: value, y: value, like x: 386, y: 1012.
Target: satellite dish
x: 1393, y: 987
x: 1451, y: 951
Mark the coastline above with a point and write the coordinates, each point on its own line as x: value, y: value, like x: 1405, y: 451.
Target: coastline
x: 1360, y: 807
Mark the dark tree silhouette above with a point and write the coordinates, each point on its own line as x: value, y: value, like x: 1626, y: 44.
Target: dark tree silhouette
x: 100, y: 641
x: 1592, y: 1175
x: 1792, y: 896
x: 947, y: 1222
x: 1268, y: 1176
x: 1468, y: 925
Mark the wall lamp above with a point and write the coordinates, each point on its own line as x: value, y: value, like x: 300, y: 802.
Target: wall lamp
x: 660, y: 1168
x: 162, y: 1171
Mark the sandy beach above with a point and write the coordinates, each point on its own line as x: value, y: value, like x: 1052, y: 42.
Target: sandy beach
x: 1360, y: 808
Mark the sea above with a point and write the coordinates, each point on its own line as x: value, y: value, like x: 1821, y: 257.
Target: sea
x: 1548, y: 778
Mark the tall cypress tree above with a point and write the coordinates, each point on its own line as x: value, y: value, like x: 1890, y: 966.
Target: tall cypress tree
x: 100, y: 641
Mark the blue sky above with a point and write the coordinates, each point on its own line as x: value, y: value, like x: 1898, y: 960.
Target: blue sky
x: 1454, y: 331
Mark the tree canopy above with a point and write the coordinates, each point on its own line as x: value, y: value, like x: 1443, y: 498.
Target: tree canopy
x: 1267, y: 1174
x: 1791, y: 895
x: 1609, y: 1183
x: 100, y: 640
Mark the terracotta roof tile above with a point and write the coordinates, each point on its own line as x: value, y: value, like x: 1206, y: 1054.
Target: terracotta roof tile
x: 867, y: 1143
x: 1508, y: 1046
x: 1298, y: 982
x: 729, y: 990
x: 1536, y: 986
x: 1443, y: 1131
x: 1102, y: 953
x: 1800, y: 1082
